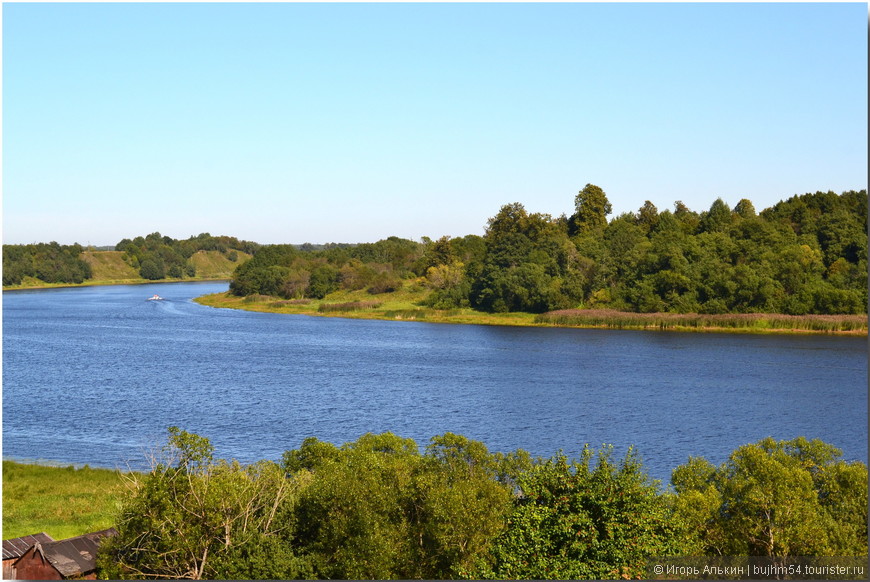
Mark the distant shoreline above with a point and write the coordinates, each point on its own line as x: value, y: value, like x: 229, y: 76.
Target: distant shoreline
x: 851, y: 325
x: 89, y: 283
x: 404, y: 308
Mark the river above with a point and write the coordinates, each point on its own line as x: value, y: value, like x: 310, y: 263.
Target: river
x: 96, y: 374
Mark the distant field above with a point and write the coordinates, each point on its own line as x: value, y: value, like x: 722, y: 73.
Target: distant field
x: 215, y: 265
x: 60, y: 501
x: 109, y: 266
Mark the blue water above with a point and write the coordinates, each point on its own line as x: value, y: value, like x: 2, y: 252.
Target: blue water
x: 96, y: 374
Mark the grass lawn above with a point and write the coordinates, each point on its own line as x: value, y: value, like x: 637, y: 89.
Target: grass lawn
x: 60, y: 501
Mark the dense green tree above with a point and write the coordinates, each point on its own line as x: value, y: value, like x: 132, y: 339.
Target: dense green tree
x: 648, y: 216
x: 152, y: 269
x: 324, y: 280
x: 51, y: 263
x: 193, y: 517
x: 745, y: 209
x: 717, y: 219
x: 436, y: 253
x: 775, y: 499
x: 689, y: 220
x: 805, y: 255
x: 576, y: 520
x: 591, y: 208
x: 378, y: 508
x: 526, y: 265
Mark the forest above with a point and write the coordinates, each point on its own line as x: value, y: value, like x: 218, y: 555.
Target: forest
x: 380, y: 508
x: 804, y: 255
x: 154, y: 257
x: 48, y: 262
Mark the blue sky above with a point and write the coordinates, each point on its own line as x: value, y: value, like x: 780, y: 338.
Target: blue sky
x: 354, y: 122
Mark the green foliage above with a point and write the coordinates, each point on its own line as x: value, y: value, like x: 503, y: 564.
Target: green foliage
x: 378, y: 508
x: 576, y: 521
x: 805, y: 255
x: 287, y: 272
x: 152, y: 269
x: 51, y: 263
x: 591, y: 208
x: 204, y: 519
x: 775, y: 499
x: 527, y: 266
x: 157, y: 257
x: 191, y: 451
x: 324, y: 279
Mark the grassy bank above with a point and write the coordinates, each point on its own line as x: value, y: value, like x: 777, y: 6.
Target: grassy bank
x: 401, y: 305
x: 60, y: 501
x: 404, y: 305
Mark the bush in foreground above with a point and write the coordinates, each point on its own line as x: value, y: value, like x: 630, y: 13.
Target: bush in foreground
x: 775, y: 499
x: 379, y: 508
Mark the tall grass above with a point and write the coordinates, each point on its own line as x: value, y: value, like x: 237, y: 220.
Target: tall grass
x: 409, y: 314
x: 348, y: 306
x: 743, y: 321
x: 255, y: 298
x: 60, y: 501
x: 284, y: 302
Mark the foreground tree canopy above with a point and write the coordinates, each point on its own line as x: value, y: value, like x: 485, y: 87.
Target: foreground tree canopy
x: 379, y: 508
x: 805, y: 255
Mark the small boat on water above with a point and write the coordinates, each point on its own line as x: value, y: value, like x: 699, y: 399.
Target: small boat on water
x: 155, y: 297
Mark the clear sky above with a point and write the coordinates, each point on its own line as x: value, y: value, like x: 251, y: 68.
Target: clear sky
x: 354, y: 122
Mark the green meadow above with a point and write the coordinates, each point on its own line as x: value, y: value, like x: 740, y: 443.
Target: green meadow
x: 60, y: 501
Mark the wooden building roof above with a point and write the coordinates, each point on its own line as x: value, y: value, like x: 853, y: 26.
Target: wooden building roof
x: 76, y: 556
x: 15, y: 547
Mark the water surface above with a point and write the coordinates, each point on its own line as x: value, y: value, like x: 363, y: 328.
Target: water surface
x: 96, y: 374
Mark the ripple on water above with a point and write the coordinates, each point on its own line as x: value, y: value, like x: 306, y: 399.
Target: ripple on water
x: 96, y: 375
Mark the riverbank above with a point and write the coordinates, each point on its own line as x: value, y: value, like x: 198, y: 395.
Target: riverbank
x: 35, y: 284
x: 403, y: 306
x: 61, y: 501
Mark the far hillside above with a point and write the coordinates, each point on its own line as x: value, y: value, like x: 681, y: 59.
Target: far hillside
x: 109, y: 266
x: 150, y: 258
x: 217, y: 265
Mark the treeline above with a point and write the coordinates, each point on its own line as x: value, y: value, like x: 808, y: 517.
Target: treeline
x: 804, y: 255
x: 159, y: 257
x: 153, y: 256
x: 379, y: 508
x: 48, y: 262
x: 294, y: 272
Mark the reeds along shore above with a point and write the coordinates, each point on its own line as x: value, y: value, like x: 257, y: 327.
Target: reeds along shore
x: 407, y: 307
x: 736, y: 321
